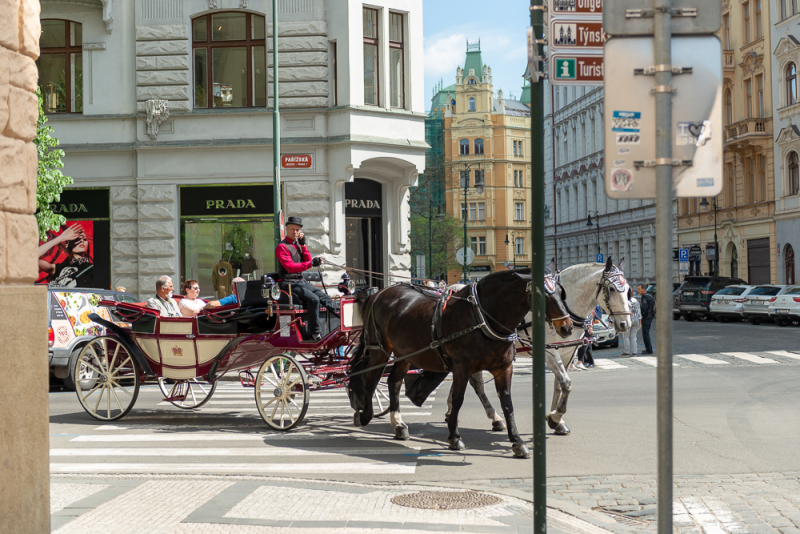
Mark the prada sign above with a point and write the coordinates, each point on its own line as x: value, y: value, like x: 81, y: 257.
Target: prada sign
x: 83, y: 204
x: 216, y: 201
x: 363, y: 198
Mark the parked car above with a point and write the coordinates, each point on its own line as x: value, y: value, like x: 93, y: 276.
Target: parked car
x: 694, y: 296
x: 757, y: 303
x: 785, y: 308
x: 676, y: 312
x: 606, y: 333
x: 727, y: 303
x: 69, y: 326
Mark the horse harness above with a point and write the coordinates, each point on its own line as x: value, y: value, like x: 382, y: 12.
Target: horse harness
x: 611, y: 278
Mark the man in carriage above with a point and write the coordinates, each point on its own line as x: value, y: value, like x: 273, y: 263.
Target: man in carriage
x: 293, y: 258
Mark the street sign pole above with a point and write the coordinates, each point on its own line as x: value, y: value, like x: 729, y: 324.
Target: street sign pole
x: 276, y: 131
x: 662, y: 57
x: 537, y: 274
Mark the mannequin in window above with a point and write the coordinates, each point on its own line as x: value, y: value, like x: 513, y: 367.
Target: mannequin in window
x: 249, y: 265
x: 221, y: 277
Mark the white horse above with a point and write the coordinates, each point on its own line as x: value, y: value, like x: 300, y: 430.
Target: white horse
x: 587, y: 285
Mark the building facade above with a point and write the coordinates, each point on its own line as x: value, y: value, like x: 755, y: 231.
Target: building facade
x: 487, y: 169
x: 785, y: 63
x: 163, y: 108
x: 745, y: 224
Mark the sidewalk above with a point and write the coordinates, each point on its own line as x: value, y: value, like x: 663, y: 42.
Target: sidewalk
x: 236, y: 504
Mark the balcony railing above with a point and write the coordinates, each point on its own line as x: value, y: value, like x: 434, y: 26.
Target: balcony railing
x: 727, y: 61
x: 749, y: 128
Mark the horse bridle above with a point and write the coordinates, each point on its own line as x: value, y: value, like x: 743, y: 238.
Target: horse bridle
x: 550, y: 285
x: 611, y: 278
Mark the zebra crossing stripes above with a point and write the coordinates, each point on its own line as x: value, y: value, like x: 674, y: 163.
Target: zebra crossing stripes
x: 403, y: 468
x: 650, y: 360
x: 699, y: 358
x: 749, y: 357
x: 604, y: 363
x: 785, y: 354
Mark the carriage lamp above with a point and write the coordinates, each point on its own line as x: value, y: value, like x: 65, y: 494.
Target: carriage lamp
x: 275, y: 292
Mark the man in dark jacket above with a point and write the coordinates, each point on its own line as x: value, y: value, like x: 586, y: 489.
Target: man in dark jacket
x: 648, y: 306
x: 293, y: 258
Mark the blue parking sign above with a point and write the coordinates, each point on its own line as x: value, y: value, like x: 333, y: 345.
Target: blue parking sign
x: 600, y: 258
x: 683, y: 254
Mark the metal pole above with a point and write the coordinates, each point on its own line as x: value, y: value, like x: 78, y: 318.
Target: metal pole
x: 537, y: 274
x: 276, y: 129
x: 662, y: 52
x: 466, y: 214
x: 716, y: 245
x: 430, y: 240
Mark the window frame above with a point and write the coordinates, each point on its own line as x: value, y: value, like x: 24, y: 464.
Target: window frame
x: 758, y: 20
x: 481, y: 245
x: 726, y: 24
x: 480, y: 177
x: 463, y: 147
x: 760, y: 95
x: 519, y: 246
x: 471, y: 105
x: 398, y: 45
x: 791, y: 83
x: 519, y: 211
x: 793, y: 164
x: 464, y: 178
x: 248, y: 44
x: 746, y: 22
x: 748, y: 97
x: 67, y: 50
x: 373, y: 41
x: 731, y: 184
x: 478, y: 143
x: 762, y: 177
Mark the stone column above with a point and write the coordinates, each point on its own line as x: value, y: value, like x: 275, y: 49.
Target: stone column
x: 24, y: 439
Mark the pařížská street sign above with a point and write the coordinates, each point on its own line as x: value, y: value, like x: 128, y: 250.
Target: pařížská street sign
x: 575, y: 42
x: 630, y: 125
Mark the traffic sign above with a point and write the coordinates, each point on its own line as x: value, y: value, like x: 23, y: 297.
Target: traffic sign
x: 630, y: 152
x: 689, y: 17
x: 684, y: 267
x: 683, y: 254
x: 576, y: 69
x: 576, y: 34
x: 600, y: 258
x: 460, y: 256
x: 572, y: 7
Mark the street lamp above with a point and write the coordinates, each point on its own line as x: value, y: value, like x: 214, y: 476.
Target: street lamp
x: 704, y: 205
x: 514, y: 253
x: 479, y: 184
x: 589, y: 224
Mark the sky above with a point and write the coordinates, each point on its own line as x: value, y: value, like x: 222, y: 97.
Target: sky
x: 501, y: 27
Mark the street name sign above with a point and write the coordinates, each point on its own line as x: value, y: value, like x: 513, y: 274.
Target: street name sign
x: 630, y: 124
x: 575, y: 42
x: 571, y: 7
x: 575, y: 34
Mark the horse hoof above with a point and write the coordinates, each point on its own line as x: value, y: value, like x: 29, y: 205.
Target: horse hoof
x: 401, y: 433
x: 520, y: 451
x: 498, y: 426
x: 456, y: 444
x: 357, y: 419
x: 552, y: 424
x: 561, y: 430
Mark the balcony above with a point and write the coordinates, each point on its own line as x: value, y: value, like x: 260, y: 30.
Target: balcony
x: 748, y: 129
x: 727, y: 61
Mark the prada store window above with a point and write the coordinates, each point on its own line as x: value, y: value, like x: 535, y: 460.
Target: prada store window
x: 226, y: 231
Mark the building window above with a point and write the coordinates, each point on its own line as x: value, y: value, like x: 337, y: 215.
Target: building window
x: 782, y: 4
x: 335, y: 74
x: 731, y: 185
x: 472, y: 81
x: 472, y: 103
x: 473, y: 244
x: 397, y: 81
x: 762, y: 177
x: 463, y: 211
x: 515, y: 147
x: 463, y: 147
x: 477, y: 211
x: 479, y: 177
x: 760, y: 89
x: 794, y: 174
x: 758, y: 19
x: 519, y: 148
x: 728, y: 107
x: 727, y: 25
x: 791, y: 84
x: 748, y: 91
x: 230, y: 61
x: 520, y: 246
x: 482, y: 246
x: 60, y: 66
x: 519, y: 211
x: 371, y: 65
x: 746, y: 22
x: 464, y: 178
x: 751, y: 179
x: 479, y: 146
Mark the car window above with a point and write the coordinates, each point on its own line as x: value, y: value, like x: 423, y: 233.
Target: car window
x: 793, y: 291
x: 769, y: 291
x: 730, y: 291
x: 696, y: 285
x: 126, y: 298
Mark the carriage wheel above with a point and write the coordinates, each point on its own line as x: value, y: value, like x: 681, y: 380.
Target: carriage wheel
x: 111, y: 392
x: 187, y: 394
x: 282, y: 392
x: 382, y: 397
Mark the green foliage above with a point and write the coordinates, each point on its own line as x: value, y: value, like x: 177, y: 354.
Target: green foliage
x: 49, y: 179
x: 442, y: 239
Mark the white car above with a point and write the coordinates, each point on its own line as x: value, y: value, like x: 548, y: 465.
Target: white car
x: 727, y: 303
x: 757, y: 302
x: 785, y: 308
x: 606, y: 335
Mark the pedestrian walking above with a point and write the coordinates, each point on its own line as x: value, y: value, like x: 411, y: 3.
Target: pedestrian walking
x: 584, y: 357
x: 629, y: 345
x: 648, y: 308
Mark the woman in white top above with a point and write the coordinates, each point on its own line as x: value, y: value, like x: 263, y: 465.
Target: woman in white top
x: 629, y: 347
x: 190, y: 305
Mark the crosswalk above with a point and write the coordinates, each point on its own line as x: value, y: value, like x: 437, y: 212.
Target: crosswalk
x: 326, y: 442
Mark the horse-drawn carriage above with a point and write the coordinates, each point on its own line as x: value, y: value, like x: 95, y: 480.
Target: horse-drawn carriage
x: 261, y: 337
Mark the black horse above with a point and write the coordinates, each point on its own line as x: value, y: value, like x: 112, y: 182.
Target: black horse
x: 474, y: 329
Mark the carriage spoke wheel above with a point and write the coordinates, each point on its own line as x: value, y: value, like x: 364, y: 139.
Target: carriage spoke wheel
x: 187, y: 394
x: 381, y: 398
x: 111, y: 391
x: 282, y: 392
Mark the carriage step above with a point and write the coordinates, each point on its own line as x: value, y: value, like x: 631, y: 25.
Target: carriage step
x: 175, y: 398
x: 247, y: 379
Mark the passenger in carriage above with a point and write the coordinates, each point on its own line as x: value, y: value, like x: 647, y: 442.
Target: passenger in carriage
x: 190, y: 305
x: 293, y: 258
x: 163, y: 300
x: 230, y: 299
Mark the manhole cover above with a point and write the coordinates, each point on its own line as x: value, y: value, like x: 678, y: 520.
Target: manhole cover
x: 446, y: 500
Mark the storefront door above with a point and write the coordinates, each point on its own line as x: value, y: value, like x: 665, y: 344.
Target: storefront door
x: 364, y: 216
x: 758, y: 261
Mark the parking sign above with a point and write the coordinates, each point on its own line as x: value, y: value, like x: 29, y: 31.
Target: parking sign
x: 600, y: 258
x: 683, y: 254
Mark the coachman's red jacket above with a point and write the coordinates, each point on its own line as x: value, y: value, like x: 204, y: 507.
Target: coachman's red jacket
x: 293, y: 259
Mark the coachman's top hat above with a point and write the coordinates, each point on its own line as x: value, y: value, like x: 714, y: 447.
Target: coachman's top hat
x: 295, y: 220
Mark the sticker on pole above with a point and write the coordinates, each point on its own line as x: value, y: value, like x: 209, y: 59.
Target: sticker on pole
x: 625, y: 125
x: 621, y: 180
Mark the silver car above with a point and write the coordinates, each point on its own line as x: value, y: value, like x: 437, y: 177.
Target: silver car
x: 756, y: 305
x: 785, y: 308
x: 727, y: 303
x: 606, y: 333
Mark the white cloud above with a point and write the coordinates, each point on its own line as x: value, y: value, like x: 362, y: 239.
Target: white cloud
x: 443, y: 53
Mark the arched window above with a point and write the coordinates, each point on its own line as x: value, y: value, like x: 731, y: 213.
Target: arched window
x: 472, y: 103
x: 788, y: 255
x: 734, y: 263
x: 791, y: 84
x: 479, y: 146
x: 728, y: 107
x: 794, y: 173
x: 463, y: 147
x: 60, y: 66
x: 230, y: 61
x: 472, y: 81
